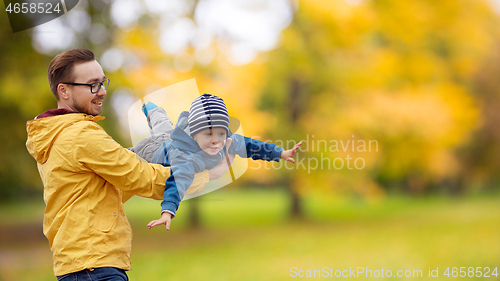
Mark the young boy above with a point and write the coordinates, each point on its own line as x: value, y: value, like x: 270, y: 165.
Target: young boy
x: 199, y: 141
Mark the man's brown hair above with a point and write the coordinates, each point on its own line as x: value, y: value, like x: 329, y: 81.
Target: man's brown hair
x: 61, y: 67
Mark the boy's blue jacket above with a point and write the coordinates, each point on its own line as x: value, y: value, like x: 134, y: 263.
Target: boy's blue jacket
x: 186, y: 158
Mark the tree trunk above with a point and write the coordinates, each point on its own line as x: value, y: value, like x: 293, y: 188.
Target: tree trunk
x: 194, y: 213
x: 296, y: 209
x: 296, y: 106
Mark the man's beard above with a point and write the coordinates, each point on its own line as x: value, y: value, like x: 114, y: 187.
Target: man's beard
x: 81, y: 109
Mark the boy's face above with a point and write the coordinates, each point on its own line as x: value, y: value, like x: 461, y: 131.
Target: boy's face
x: 211, y: 140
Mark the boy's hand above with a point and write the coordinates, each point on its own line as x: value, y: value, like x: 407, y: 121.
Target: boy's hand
x: 288, y: 154
x: 165, y: 219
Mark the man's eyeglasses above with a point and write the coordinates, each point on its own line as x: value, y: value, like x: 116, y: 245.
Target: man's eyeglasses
x: 94, y: 87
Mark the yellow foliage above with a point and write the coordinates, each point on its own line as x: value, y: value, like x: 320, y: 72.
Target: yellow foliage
x: 395, y: 72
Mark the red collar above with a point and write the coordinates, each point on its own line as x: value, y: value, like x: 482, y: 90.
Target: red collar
x: 54, y: 112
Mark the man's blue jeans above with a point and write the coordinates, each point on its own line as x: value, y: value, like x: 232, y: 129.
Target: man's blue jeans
x: 97, y: 274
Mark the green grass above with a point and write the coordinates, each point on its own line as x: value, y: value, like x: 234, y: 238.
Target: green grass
x: 246, y: 235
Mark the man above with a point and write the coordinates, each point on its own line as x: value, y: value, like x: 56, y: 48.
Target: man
x: 87, y: 176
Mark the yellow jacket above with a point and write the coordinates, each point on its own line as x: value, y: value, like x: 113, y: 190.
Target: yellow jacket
x: 87, y: 176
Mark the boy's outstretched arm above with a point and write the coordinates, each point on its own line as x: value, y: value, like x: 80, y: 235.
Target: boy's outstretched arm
x: 288, y: 154
x: 165, y: 219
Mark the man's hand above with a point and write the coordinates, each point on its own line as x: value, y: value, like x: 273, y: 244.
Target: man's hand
x: 288, y: 154
x: 220, y: 169
x: 165, y: 219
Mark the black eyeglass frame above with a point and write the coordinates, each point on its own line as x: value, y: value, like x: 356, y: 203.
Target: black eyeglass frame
x: 91, y: 85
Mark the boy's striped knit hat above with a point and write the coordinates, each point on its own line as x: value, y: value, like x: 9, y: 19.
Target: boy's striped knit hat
x: 208, y: 111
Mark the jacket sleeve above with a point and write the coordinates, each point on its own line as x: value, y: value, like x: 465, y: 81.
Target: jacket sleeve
x: 183, y: 168
x: 199, y: 182
x: 257, y: 150
x: 120, y: 167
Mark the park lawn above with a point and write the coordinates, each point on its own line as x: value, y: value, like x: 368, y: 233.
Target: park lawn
x: 246, y: 235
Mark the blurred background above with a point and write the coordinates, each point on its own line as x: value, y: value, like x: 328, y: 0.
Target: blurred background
x: 396, y: 102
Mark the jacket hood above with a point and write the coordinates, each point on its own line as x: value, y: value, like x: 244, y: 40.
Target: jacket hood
x: 182, y: 138
x: 42, y: 132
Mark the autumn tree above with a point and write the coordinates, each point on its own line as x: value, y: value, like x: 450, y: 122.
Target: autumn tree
x: 398, y: 73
